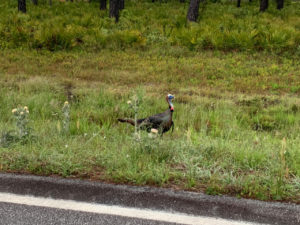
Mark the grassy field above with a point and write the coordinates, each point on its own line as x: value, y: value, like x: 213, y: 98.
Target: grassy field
x: 83, y: 26
x: 237, y: 112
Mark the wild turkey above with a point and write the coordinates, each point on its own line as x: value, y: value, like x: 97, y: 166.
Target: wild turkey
x: 162, y: 121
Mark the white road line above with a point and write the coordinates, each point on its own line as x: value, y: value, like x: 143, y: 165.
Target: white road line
x: 115, y: 210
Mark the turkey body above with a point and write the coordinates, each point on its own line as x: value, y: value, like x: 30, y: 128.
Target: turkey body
x: 163, y: 122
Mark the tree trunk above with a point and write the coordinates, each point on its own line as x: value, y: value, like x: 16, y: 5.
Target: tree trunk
x: 280, y: 4
x: 264, y: 4
x: 50, y: 2
x: 193, y: 11
x: 102, y: 4
x: 35, y: 2
x: 238, y: 3
x: 182, y: 1
x: 114, y: 9
x: 122, y: 4
x: 22, y: 5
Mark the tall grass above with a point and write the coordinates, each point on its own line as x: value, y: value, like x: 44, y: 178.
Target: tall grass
x: 236, y: 117
x: 83, y: 26
x: 231, y: 146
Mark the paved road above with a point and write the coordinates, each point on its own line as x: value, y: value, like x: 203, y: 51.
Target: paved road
x: 15, y: 214
x: 35, y: 200
x: 20, y: 209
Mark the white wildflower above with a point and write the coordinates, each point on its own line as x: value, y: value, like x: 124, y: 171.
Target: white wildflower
x: 14, y: 111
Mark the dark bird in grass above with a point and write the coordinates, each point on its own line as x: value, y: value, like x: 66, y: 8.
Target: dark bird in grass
x: 162, y: 121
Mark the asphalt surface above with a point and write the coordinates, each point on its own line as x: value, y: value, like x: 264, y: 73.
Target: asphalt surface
x: 15, y: 214
x: 148, y: 198
x: 114, y: 211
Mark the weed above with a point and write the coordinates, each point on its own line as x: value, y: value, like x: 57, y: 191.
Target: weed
x: 21, y: 116
x: 66, y: 117
x: 7, y: 138
x: 23, y: 131
x: 134, y: 104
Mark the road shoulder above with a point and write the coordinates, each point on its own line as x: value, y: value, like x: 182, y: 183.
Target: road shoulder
x: 152, y: 198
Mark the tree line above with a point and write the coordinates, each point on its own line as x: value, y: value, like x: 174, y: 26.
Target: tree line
x: 115, y: 6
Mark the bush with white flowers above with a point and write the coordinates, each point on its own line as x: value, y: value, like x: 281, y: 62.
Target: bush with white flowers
x: 21, y: 115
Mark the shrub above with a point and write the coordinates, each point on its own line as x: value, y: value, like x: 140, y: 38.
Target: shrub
x: 53, y: 38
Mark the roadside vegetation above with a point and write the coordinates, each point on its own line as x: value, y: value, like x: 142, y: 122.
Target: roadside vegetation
x: 82, y: 26
x: 237, y: 106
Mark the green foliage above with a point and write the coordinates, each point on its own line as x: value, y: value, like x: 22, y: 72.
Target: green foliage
x: 22, y: 133
x: 7, y: 138
x: 66, y: 117
x: 83, y: 26
x: 53, y: 38
x: 21, y: 116
x: 224, y: 142
x: 214, y: 145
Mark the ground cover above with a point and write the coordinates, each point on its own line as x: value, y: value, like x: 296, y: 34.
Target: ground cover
x: 235, y: 76
x: 152, y: 26
x: 243, y: 142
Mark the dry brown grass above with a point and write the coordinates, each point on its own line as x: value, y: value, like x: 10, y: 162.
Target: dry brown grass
x: 202, y: 74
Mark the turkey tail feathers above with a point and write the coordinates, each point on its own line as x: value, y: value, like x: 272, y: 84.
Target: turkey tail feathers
x: 126, y: 121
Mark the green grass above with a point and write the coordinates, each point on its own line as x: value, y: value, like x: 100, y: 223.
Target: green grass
x: 237, y: 111
x: 221, y: 26
x: 224, y: 141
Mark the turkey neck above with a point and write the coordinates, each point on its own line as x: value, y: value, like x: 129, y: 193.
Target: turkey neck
x: 171, y: 107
